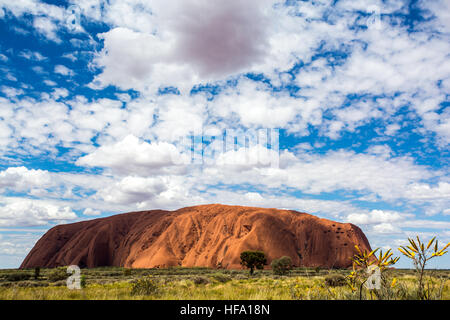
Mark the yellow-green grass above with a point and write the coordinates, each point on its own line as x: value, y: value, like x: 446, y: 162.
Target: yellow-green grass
x: 202, y: 283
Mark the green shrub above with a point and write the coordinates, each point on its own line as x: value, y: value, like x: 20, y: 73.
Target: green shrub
x: 83, y: 281
x: 241, y: 276
x: 127, y: 272
x: 144, y: 287
x: 200, y: 280
x: 282, y: 266
x: 60, y: 283
x: 18, y: 276
x: 335, y: 280
x: 31, y: 284
x: 221, y: 277
x: 58, y: 274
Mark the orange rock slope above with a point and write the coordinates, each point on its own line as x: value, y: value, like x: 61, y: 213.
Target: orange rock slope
x: 207, y: 235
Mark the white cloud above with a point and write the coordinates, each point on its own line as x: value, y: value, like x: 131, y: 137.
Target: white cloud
x: 34, y: 7
x: 246, y: 159
x: 376, y: 217
x: 131, y: 155
x: 133, y: 190
x: 46, y: 17
x: 59, y: 93
x: 129, y: 58
x: 381, y: 150
x: 147, y: 47
x: 422, y: 191
x: 91, y: 212
x: 27, y: 212
x: 47, y: 27
x: 438, y: 12
x: 70, y: 56
x: 388, y: 178
x: 11, y: 92
x: 178, y: 116
x: 427, y: 224
x: 17, y: 244
x: 10, y: 77
x: 392, y: 129
x: 32, y: 55
x: 50, y: 83
x: 386, y: 228
x: 255, y: 105
x: 378, y: 62
x: 22, y: 179
x: 60, y: 69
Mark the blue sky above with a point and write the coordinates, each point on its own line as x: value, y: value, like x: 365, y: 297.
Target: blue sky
x: 96, y: 98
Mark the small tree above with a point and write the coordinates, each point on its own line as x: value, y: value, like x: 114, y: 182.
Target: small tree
x: 253, y: 259
x: 37, y: 272
x: 281, y: 266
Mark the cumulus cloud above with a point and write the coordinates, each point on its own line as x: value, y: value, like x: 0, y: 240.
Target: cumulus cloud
x: 33, y: 7
x: 247, y: 158
x: 50, y: 83
x: 63, y: 70
x: 11, y: 92
x: 91, y: 212
x: 256, y: 105
x: 386, y: 228
x: 133, y: 190
x: 193, y: 42
x: 218, y: 38
x: 73, y: 124
x: 32, y: 55
x: 379, y: 222
x: 388, y: 178
x: 427, y: 192
x: 129, y: 58
x: 131, y: 155
x: 178, y: 47
x: 47, y: 27
x: 22, y: 179
x: 428, y: 224
x: 376, y: 217
x: 27, y: 212
x: 17, y: 244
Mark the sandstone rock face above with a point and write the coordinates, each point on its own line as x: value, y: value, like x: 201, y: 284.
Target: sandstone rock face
x: 207, y: 235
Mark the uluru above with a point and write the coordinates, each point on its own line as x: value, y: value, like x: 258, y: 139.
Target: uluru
x: 206, y: 235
